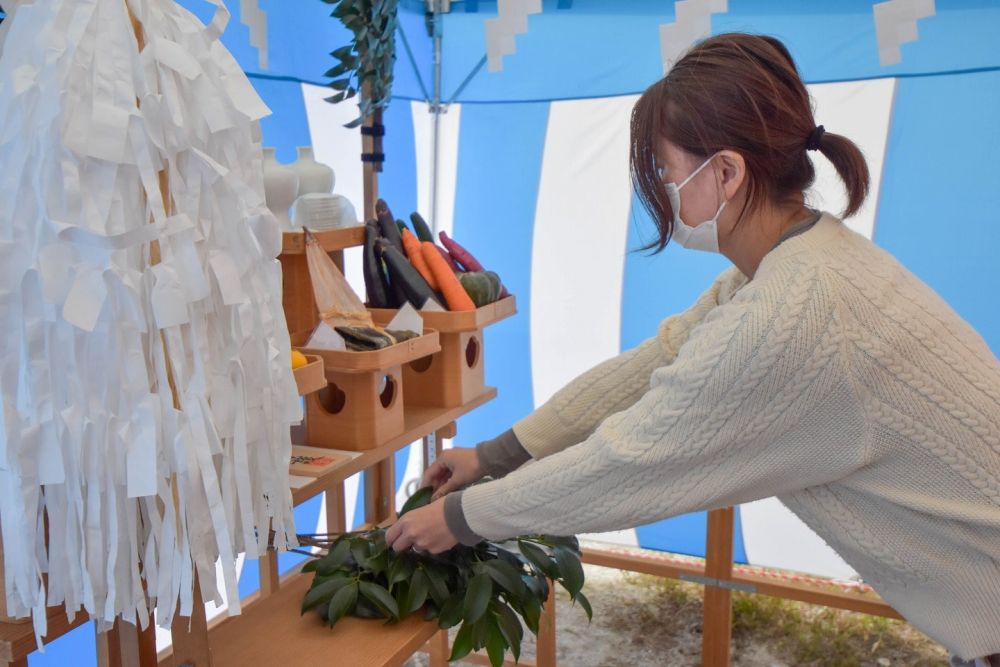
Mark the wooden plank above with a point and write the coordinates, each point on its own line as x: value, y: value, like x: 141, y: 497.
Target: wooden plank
x: 718, y: 608
x: 480, y: 658
x: 331, y: 240
x: 545, y: 652
x: 336, y: 522
x: 17, y: 640
x: 147, y: 645
x: 419, y: 422
x: 865, y: 603
x: 272, y: 632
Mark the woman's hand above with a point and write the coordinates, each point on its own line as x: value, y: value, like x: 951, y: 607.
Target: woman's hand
x: 423, y: 528
x: 453, y: 469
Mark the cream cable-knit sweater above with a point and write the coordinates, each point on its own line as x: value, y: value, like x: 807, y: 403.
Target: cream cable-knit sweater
x: 834, y: 380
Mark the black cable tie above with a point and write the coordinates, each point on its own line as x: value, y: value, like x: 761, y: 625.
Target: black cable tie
x: 373, y: 157
x: 376, y: 130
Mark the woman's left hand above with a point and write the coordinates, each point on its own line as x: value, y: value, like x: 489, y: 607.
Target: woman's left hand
x: 423, y: 528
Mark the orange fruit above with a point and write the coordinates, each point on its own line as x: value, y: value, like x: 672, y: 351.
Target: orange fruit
x: 298, y: 359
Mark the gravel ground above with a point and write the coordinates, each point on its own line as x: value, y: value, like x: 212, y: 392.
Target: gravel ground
x: 641, y: 621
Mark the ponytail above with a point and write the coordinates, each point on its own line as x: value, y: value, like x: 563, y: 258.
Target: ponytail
x: 850, y: 164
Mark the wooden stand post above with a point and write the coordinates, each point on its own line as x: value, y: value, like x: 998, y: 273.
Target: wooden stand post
x: 717, y: 623
x: 545, y: 653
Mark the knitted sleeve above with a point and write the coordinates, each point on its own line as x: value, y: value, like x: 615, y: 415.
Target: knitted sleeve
x: 734, y: 418
x: 573, y: 413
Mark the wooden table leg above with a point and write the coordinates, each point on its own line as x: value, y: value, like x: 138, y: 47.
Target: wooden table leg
x: 439, y: 649
x: 717, y: 622
x: 546, y: 641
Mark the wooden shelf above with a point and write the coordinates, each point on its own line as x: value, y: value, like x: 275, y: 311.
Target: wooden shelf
x: 458, y: 321
x: 331, y: 240
x: 271, y: 631
x: 17, y: 640
x: 420, y: 422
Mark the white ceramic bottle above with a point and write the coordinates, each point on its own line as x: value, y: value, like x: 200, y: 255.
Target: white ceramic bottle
x: 281, y: 187
x: 314, y: 177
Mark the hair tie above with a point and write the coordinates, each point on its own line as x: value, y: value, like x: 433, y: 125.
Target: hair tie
x: 812, y: 143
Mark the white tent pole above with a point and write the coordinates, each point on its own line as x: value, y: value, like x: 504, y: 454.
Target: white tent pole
x: 436, y: 110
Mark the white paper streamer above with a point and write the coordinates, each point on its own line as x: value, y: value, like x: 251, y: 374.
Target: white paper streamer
x: 144, y: 408
x: 692, y: 22
x: 896, y: 24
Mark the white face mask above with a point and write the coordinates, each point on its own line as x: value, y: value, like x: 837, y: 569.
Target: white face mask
x: 704, y: 236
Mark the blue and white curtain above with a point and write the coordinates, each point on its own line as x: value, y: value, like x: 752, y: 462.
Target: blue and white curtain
x: 533, y: 178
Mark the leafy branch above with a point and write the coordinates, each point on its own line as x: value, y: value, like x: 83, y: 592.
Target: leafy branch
x: 366, y: 64
x: 488, y: 589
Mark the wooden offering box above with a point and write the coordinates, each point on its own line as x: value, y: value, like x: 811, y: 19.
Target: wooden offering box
x: 455, y: 375
x: 310, y: 377
x: 361, y: 406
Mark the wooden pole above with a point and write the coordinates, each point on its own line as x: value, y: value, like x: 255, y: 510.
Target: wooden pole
x: 545, y: 653
x: 717, y: 623
x: 190, y: 636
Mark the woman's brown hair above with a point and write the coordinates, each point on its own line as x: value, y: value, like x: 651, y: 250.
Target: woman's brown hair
x: 743, y: 93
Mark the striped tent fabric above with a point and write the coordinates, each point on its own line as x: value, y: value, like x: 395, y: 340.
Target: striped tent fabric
x: 533, y: 177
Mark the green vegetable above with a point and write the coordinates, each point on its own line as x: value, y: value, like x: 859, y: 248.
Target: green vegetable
x: 421, y: 228
x: 483, y: 287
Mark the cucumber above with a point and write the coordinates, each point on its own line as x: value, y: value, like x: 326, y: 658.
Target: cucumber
x: 395, y: 296
x: 421, y: 228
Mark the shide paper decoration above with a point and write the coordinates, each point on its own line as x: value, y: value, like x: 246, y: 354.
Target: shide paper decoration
x: 692, y: 22
x: 254, y: 18
x: 145, y: 380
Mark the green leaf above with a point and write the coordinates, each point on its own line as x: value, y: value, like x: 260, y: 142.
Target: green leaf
x: 570, y: 568
x: 333, y: 560
x: 366, y: 609
x: 532, y: 612
x: 334, y: 99
x: 400, y: 569
x: 495, y: 645
x: 354, y: 123
x: 338, y: 70
x: 438, y: 584
x: 310, y: 565
x: 537, y: 556
x: 380, y: 598
x: 451, y: 613
x: 321, y: 593
x: 509, y: 624
x: 340, y: 84
x: 342, y: 603
x: 585, y: 603
x: 462, y: 646
x: 341, y: 53
x: 418, y: 499
x: 359, y: 549
x: 419, y: 586
x: 477, y: 597
x: 505, y: 575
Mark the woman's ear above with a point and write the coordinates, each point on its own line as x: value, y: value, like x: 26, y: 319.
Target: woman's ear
x: 732, y: 172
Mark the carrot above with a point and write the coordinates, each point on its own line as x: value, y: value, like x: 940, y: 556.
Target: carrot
x: 416, y: 257
x: 451, y: 288
x: 461, y: 255
x: 447, y: 258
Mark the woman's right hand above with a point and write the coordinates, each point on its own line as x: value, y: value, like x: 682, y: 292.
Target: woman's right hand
x: 453, y: 469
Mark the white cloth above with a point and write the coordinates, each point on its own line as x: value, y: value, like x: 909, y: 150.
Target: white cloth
x: 835, y: 380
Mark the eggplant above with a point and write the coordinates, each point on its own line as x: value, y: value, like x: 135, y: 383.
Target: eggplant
x: 395, y: 296
x: 401, y: 272
x: 387, y: 223
x: 375, y: 288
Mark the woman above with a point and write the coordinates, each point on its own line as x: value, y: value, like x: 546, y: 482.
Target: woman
x: 817, y: 369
